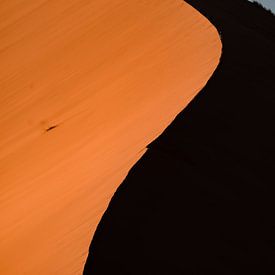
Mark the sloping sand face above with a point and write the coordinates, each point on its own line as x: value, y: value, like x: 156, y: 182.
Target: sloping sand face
x: 85, y: 86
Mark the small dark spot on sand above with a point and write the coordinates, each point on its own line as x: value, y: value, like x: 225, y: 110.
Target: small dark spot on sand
x: 51, y: 128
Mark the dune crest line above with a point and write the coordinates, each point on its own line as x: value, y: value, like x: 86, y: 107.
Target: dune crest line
x: 85, y: 86
x: 200, y: 200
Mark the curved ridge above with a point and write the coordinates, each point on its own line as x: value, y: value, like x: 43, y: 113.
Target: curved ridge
x: 111, y: 265
x: 85, y: 86
x: 200, y: 199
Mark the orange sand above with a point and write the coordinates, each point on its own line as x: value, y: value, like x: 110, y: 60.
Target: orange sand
x: 112, y: 75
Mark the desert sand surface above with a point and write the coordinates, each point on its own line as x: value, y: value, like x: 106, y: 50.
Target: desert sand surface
x: 85, y: 86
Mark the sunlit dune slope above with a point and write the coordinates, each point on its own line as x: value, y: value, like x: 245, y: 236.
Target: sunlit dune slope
x: 85, y: 86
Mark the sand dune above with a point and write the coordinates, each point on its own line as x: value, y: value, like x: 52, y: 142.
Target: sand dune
x: 201, y: 199
x: 85, y: 86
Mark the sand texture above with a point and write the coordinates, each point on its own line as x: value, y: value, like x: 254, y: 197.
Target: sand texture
x: 85, y: 86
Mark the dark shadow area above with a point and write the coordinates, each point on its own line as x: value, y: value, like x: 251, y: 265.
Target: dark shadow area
x: 201, y: 199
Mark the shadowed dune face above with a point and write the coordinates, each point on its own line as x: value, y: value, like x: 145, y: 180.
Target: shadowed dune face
x: 85, y: 86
